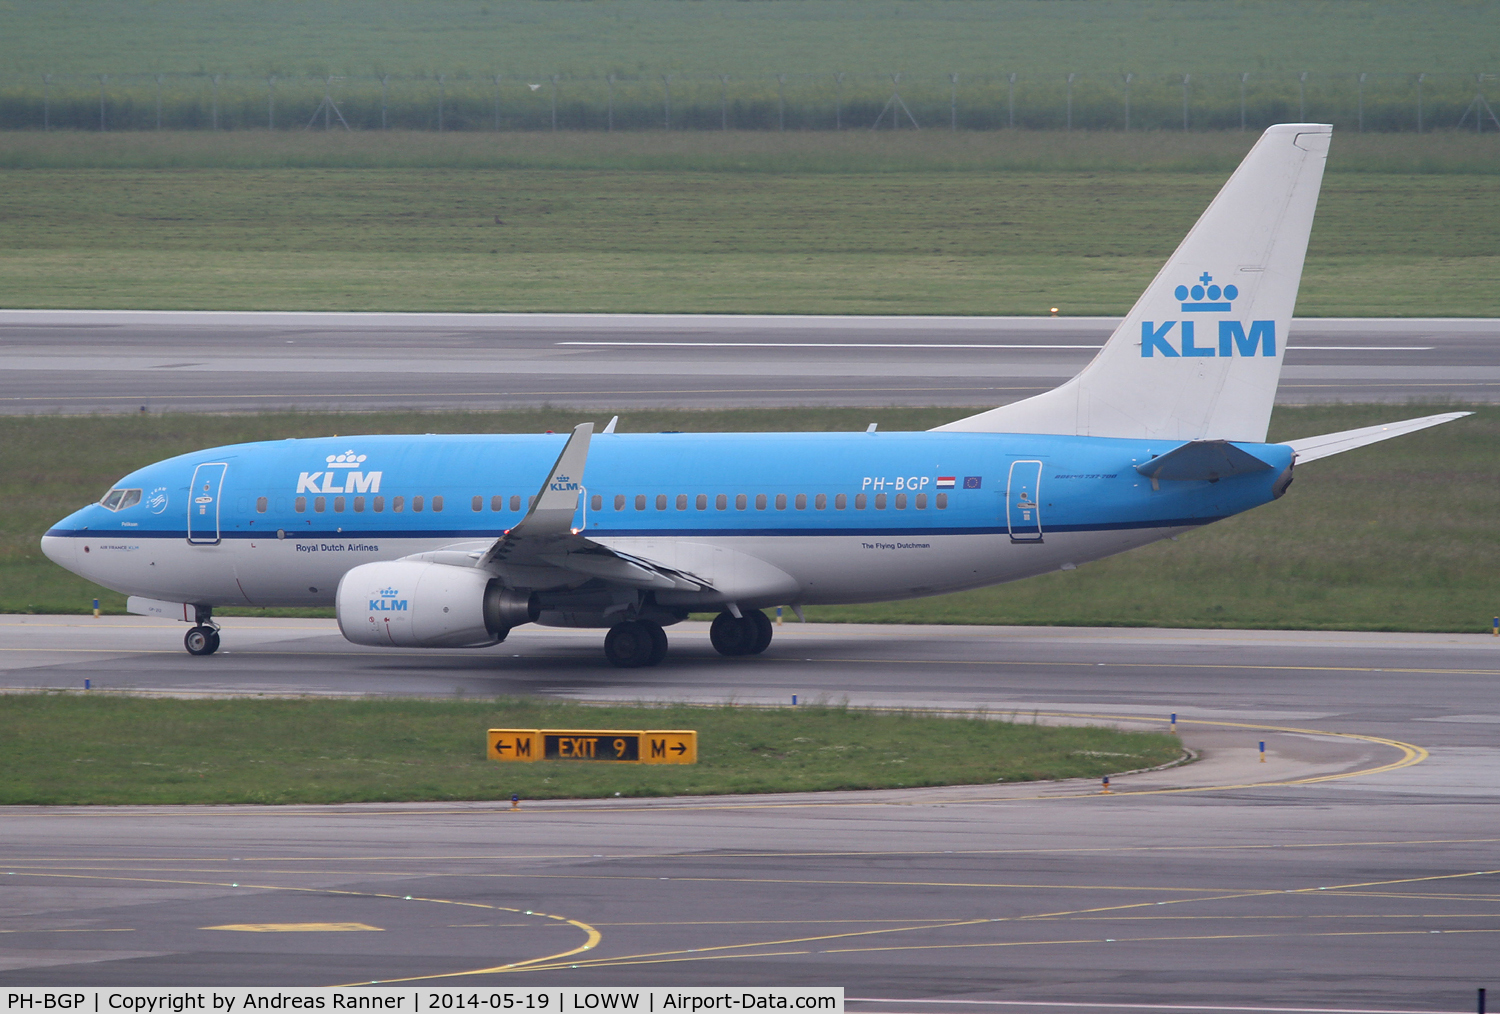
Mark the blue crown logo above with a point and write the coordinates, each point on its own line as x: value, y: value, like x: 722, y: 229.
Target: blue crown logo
x: 388, y: 593
x: 1206, y: 298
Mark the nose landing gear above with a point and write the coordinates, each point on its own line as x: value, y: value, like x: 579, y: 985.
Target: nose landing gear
x: 201, y: 641
x: 203, y: 638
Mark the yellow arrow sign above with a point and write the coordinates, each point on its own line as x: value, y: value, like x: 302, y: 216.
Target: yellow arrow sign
x: 627, y: 746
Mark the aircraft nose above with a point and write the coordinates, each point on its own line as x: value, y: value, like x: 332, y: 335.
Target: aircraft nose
x: 61, y: 551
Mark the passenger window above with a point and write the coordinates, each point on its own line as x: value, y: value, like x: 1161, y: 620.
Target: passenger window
x: 760, y: 501
x: 338, y: 505
x: 300, y: 505
x: 901, y: 501
x: 359, y: 505
x: 841, y: 501
x: 398, y: 504
x: 740, y: 502
x: 821, y: 502
x: 515, y: 504
x: 477, y: 503
x: 530, y: 502
x: 661, y: 501
x: 942, y: 501
x: 597, y: 503
x: 497, y: 504
x: 880, y: 501
x: 416, y: 503
x: 702, y: 501
x: 802, y: 501
x: 261, y: 503
x: 437, y: 503
x: 619, y: 501
x: 721, y: 502
x: 921, y: 501
x: 640, y: 501
x: 320, y: 504
x: 781, y: 501
x: 379, y: 504
x: 860, y: 500
x: 682, y: 501
x: 132, y: 497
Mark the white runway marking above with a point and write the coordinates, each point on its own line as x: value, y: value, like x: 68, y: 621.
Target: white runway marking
x: 942, y: 345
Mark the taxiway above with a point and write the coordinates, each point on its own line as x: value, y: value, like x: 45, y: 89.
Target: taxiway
x: 1358, y: 868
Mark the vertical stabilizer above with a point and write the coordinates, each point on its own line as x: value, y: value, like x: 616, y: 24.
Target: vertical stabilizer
x: 1199, y: 355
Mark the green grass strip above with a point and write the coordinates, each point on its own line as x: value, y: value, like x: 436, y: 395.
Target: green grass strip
x: 107, y: 749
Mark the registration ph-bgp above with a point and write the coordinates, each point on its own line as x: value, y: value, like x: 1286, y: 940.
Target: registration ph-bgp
x: 44, y: 1001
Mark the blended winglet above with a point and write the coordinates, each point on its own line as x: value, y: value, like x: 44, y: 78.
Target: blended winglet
x: 551, y: 516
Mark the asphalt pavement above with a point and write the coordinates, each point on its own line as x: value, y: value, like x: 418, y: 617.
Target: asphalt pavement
x: 1355, y: 869
x: 120, y: 361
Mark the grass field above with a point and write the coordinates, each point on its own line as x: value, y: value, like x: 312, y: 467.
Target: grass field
x: 1398, y: 536
x: 144, y: 751
x: 646, y: 37
x: 204, y: 64
x: 961, y: 225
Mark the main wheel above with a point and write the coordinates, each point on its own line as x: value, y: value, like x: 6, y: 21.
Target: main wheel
x: 763, y: 630
x: 732, y: 637
x: 658, y: 642
x: 201, y: 641
x: 635, y: 643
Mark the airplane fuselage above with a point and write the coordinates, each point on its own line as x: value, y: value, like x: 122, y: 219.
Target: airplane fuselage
x: 847, y: 517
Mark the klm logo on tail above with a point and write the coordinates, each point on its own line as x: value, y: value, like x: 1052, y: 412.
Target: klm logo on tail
x: 1233, y: 337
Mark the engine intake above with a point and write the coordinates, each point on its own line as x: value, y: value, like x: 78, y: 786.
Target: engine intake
x: 409, y: 604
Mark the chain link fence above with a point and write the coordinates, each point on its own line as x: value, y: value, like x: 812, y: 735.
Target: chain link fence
x: 1384, y: 102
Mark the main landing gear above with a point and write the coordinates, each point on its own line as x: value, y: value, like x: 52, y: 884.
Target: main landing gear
x: 635, y: 643
x: 750, y: 634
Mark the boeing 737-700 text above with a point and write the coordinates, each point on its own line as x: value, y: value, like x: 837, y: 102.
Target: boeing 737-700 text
x: 451, y: 541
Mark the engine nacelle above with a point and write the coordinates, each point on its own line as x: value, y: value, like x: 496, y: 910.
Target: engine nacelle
x: 408, y: 604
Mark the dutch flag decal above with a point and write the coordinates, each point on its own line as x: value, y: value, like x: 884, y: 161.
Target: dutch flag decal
x: 946, y: 481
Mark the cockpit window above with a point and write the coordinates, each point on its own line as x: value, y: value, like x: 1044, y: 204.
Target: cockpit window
x: 119, y: 499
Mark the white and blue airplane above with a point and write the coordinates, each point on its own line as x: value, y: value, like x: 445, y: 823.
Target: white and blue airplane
x: 451, y: 541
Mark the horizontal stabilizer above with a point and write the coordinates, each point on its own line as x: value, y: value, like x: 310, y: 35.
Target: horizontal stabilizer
x: 1313, y: 448
x: 1201, y: 459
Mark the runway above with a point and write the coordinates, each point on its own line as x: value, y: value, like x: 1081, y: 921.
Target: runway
x: 1355, y: 870
x: 121, y: 361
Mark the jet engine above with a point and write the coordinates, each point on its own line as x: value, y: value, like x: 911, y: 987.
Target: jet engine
x: 408, y: 604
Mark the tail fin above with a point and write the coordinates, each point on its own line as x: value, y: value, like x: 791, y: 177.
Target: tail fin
x: 1199, y: 355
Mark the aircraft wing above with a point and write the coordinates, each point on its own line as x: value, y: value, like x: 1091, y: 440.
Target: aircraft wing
x: 1313, y: 448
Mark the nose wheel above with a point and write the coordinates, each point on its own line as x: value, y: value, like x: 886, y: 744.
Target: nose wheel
x: 201, y: 641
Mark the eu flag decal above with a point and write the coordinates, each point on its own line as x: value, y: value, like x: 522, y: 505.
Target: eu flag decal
x: 971, y: 482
